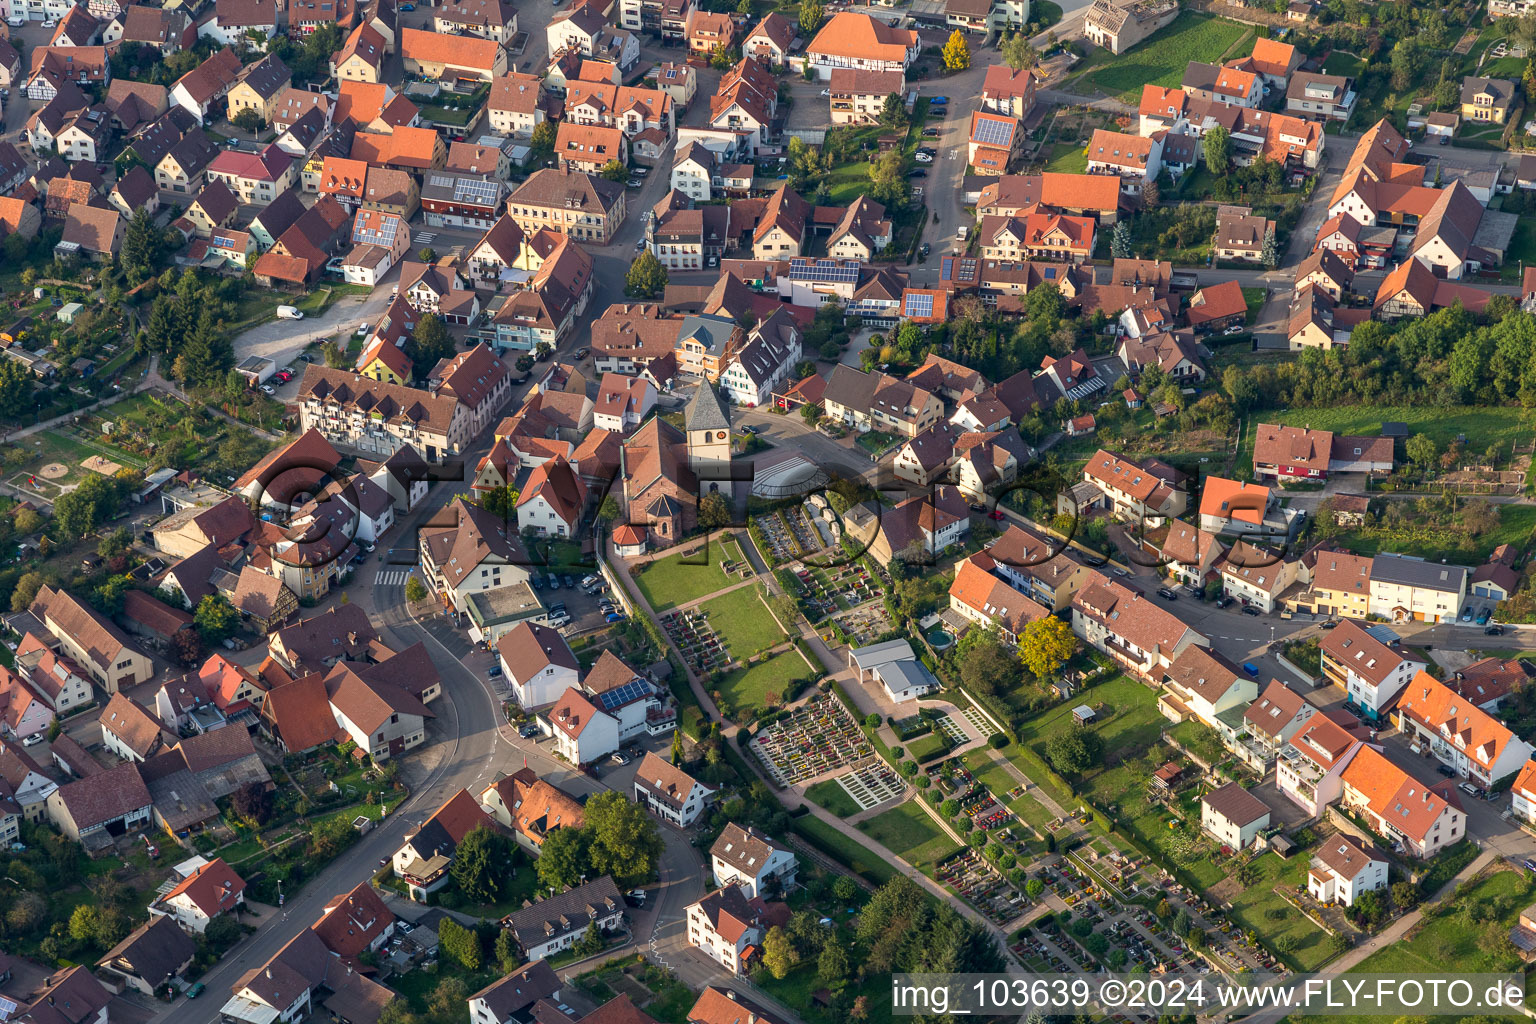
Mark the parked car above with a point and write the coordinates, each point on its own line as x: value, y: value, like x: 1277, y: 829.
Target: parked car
x: 1446, y: 770
x: 1329, y: 624
x: 289, y: 313
x: 1167, y: 594
x: 1234, y: 329
x: 1224, y: 601
x: 569, y: 581
x: 1466, y: 616
x: 1470, y: 790
x: 407, y: 7
x: 494, y: 671
x: 1494, y: 631
x: 939, y: 101
x: 1250, y: 670
x: 617, y: 757
x: 528, y: 730
x: 614, y: 617
x: 196, y: 990
x: 268, y: 389
x: 930, y: 132
x: 1483, y: 617
x: 581, y: 353
x: 917, y: 172
x: 554, y: 582
x: 1251, y: 609
x: 635, y: 183
x: 922, y: 158
x: 33, y: 740
x: 997, y: 514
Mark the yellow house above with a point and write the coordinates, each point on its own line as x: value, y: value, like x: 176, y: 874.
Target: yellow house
x: 1486, y: 99
x: 259, y: 87
x: 387, y: 364
x: 361, y: 57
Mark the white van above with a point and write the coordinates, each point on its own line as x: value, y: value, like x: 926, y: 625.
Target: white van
x: 290, y: 313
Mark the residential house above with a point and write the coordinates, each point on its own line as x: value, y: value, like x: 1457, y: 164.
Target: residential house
x: 581, y: 206
x: 1458, y: 732
x: 860, y: 41
x: 382, y: 719
x: 1371, y: 670
x: 1130, y: 627
x: 93, y: 809
x: 423, y: 860
x: 1398, y: 807
x: 94, y: 231
x: 1343, y: 869
x: 1135, y: 159
x: 509, y: 1000
x: 530, y: 807
x: 538, y: 664
x: 1118, y: 25
x: 149, y: 958
x: 1233, y: 816
x: 91, y: 641
x: 1409, y: 589
x: 436, y: 56
x: 984, y: 597
x: 1203, y: 684
x: 258, y: 87
x: 204, y: 892
x: 994, y: 142
x: 1486, y: 100
x: 727, y: 928
x: 1320, y: 97
x: 1311, y: 764
x: 858, y: 97
x: 669, y: 792
x: 199, y: 89
x: 485, y: 19
x: 1240, y: 236
x: 557, y: 923
x: 745, y: 857
x: 1149, y: 492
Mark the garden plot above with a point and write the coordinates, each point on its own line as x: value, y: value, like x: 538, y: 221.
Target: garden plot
x: 872, y: 784
x: 701, y: 646
x: 813, y: 739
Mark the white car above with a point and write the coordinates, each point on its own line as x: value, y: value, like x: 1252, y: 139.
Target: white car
x: 1234, y: 329
x: 960, y: 235
x: 922, y: 158
x: 33, y: 740
x: 15, y: 21
x: 826, y: 93
x: 290, y: 313
x: 268, y: 389
x: 51, y: 23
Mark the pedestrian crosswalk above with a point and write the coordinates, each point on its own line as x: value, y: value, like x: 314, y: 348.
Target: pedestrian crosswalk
x: 391, y: 577
x: 423, y: 237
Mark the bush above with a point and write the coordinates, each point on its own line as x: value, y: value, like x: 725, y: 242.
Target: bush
x: 998, y: 741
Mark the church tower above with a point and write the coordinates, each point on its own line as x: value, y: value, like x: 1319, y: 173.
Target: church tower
x: 708, y: 427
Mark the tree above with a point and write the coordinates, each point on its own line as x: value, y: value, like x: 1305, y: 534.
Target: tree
x: 543, y: 139
x: 1017, y: 52
x: 253, y: 801
x: 248, y: 119
x: 614, y: 170
x: 779, y: 954
x: 893, y: 112
x: 810, y: 412
x: 27, y: 520
x: 108, y: 597
x: 1033, y: 888
x: 1120, y: 240
x: 609, y: 510
x: 1151, y: 195
x: 1270, y: 254
x: 216, y: 619
x: 430, y: 343
x: 222, y: 932
x: 509, y: 957
x: 986, y: 666
x: 446, y: 1004
x: 720, y: 57
x: 333, y: 356
x: 811, y: 13
x: 398, y: 1011
x: 93, y: 501
x: 329, y: 838
x: 26, y: 590
x: 677, y: 753
x: 459, y: 944
x: 832, y: 966
x: 415, y: 590
x: 1074, y: 751
x: 1218, y: 150
x: 563, y: 858
x: 888, y: 178
x: 1046, y: 645
x: 845, y: 888
x: 85, y: 923
x: 1405, y: 896
x: 427, y: 254
x: 142, y: 246
x: 501, y: 502
x: 957, y: 52
x: 647, y: 278
x: 482, y: 864
x: 714, y: 511
x: 590, y: 942
x: 625, y: 841
x: 1421, y: 451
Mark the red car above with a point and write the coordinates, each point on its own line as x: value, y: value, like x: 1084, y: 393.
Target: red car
x: 996, y: 513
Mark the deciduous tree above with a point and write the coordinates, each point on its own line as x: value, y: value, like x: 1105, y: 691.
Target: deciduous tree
x: 216, y: 619
x: 957, y: 52
x: 779, y: 954
x: 483, y: 864
x: 1046, y: 645
x: 647, y: 278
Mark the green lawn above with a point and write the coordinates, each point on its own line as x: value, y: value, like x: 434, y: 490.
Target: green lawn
x: 684, y: 577
x: 1128, y: 720
x: 1345, y: 64
x: 1483, y: 425
x: 1254, y: 298
x: 744, y: 621
x: 749, y: 687
x: 926, y: 747
x: 1162, y: 59
x: 1067, y: 158
x: 909, y: 832
x: 833, y: 797
x: 1522, y: 248
x: 1261, y: 908
x: 860, y: 859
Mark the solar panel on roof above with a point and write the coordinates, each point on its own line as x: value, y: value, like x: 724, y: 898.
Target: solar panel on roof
x: 993, y: 133
x: 831, y: 271
x: 621, y: 695
x: 918, y: 304
x: 475, y: 190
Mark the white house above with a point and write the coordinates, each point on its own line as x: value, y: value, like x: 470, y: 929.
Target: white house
x: 582, y: 733
x: 894, y: 665
x: 1370, y: 670
x: 1523, y: 794
x: 669, y: 792
x: 746, y: 857
x: 622, y: 402
x: 557, y: 923
x: 1204, y: 684
x: 1343, y: 869
x: 381, y: 718
x: 550, y: 503
x: 1311, y: 765
x: 205, y: 890
x: 538, y: 664
x: 1458, y: 732
x: 1425, y: 819
x: 726, y: 926
x: 505, y: 1000
x: 1234, y: 816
